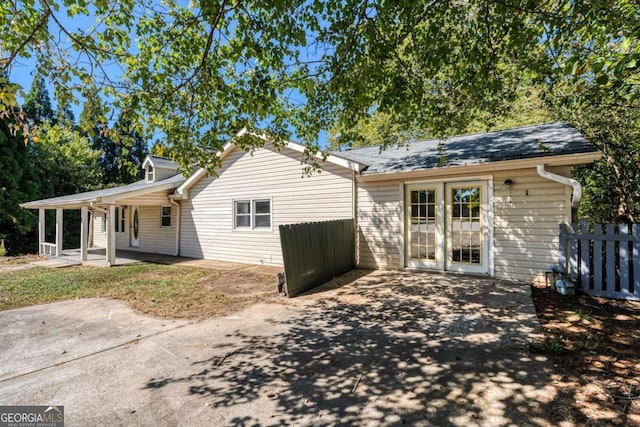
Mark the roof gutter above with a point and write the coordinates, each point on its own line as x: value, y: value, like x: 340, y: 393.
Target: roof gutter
x: 577, y: 187
x: 466, y: 169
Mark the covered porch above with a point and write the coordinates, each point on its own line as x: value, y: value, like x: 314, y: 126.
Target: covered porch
x: 105, y: 210
x: 94, y: 257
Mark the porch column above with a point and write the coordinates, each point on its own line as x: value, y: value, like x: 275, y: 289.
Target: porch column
x: 59, y: 217
x: 92, y: 224
x: 111, y: 235
x: 41, y: 229
x: 84, y: 223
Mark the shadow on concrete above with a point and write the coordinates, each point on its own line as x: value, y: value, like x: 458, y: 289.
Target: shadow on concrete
x: 389, y: 348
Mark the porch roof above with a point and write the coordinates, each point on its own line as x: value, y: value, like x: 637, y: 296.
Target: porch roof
x: 107, y: 195
x: 528, y: 142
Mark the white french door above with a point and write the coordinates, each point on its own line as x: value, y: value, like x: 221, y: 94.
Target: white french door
x: 447, y: 226
x: 425, y: 226
x: 467, y: 227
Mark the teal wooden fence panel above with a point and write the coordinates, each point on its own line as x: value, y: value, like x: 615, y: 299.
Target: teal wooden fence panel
x: 316, y: 252
x: 602, y: 261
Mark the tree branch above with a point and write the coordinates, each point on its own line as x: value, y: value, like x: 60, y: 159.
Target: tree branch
x: 207, y: 48
x: 6, y: 63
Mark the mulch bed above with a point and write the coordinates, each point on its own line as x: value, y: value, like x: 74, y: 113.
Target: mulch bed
x: 594, y: 344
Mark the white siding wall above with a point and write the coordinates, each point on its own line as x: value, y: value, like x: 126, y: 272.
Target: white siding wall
x: 154, y: 199
x: 525, y: 226
x: 207, y: 220
x: 153, y: 238
x: 380, y: 225
x: 99, y: 237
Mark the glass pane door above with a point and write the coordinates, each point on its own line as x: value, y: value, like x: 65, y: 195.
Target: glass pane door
x: 424, y: 228
x: 467, y: 227
x: 423, y: 224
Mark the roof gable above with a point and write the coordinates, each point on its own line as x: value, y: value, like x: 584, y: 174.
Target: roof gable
x: 536, y: 141
x: 337, y: 160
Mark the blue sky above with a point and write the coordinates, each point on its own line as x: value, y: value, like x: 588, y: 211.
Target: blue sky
x: 24, y: 69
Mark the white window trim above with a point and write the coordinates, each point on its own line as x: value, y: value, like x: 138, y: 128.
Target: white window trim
x: 153, y: 174
x: 235, y: 216
x: 252, y: 209
x: 165, y: 216
x: 253, y: 214
x: 123, y: 219
x: 104, y: 223
x: 489, y: 210
x: 120, y: 221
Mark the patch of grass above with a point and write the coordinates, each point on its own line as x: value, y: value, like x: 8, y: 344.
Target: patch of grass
x: 580, y: 316
x: 591, y: 342
x: 554, y: 346
x: 160, y: 290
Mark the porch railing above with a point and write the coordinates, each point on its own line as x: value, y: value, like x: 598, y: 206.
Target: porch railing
x: 47, y: 248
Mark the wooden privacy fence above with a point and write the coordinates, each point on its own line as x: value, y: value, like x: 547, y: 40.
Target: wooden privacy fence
x: 316, y: 252
x: 602, y: 261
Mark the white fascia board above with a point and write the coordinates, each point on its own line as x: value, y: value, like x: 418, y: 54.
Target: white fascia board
x: 73, y: 204
x: 195, y: 177
x: 182, y: 190
x: 133, y: 193
x: 147, y: 160
x: 531, y: 163
x: 338, y: 161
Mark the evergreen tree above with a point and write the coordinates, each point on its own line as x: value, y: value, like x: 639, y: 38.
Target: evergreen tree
x: 131, y: 150
x: 37, y: 106
x: 65, y: 164
x: 64, y: 115
x: 18, y: 184
x: 93, y: 124
x: 122, y: 147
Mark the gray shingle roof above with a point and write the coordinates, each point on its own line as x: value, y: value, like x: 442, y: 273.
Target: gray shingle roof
x: 550, y: 139
x: 89, y: 196
x: 163, y: 163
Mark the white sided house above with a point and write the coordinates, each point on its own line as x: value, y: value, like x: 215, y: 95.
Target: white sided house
x: 486, y: 203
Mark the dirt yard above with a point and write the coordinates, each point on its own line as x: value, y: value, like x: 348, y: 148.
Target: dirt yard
x: 594, y: 344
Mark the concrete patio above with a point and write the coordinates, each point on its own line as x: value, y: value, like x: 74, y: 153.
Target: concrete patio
x: 375, y: 348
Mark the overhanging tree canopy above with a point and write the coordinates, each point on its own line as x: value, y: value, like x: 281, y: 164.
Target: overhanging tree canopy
x: 202, y: 70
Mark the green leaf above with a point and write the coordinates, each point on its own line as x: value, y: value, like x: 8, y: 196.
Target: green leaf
x: 602, y: 79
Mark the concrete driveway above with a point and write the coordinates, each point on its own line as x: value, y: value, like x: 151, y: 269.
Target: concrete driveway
x: 372, y: 348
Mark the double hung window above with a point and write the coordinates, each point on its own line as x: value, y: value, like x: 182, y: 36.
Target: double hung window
x: 252, y: 214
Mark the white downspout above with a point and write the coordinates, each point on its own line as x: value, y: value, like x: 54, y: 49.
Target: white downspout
x: 177, y: 205
x: 577, y: 187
